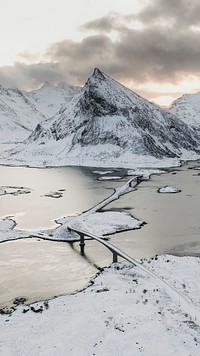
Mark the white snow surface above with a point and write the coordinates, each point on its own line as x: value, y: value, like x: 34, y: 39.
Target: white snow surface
x: 2, y: 191
x: 145, y: 173
x: 20, y: 112
x: 49, y: 99
x: 169, y: 189
x: 110, y: 178
x: 187, y: 108
x: 6, y: 225
x: 105, y: 223
x: 123, y: 313
x: 102, y: 172
x: 18, y: 117
x: 55, y: 156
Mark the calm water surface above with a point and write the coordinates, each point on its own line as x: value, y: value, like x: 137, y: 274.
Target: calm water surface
x: 41, y: 269
x: 173, y: 220
x: 36, y: 211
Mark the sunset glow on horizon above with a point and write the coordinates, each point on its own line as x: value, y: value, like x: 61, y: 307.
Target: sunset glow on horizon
x: 164, y: 101
x: 151, y: 44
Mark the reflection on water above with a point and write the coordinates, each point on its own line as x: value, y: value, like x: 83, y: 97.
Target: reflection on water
x: 40, y: 269
x: 35, y: 210
x: 173, y: 220
x: 43, y: 269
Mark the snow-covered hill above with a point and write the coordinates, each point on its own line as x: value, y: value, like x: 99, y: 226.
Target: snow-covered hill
x: 107, y: 123
x: 187, y: 108
x: 18, y: 116
x: 49, y: 99
x: 20, y: 112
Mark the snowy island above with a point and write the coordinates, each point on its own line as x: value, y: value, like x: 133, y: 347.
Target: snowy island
x: 168, y: 189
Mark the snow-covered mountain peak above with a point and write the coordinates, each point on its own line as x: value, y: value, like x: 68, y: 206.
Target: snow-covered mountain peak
x: 105, y: 121
x: 67, y: 86
x: 103, y: 91
x: 102, y: 122
x: 49, y: 99
x: 46, y: 85
x: 99, y: 74
x: 187, y: 108
x: 96, y: 77
x: 18, y: 116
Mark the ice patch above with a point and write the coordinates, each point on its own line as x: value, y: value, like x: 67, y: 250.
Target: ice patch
x: 169, y: 189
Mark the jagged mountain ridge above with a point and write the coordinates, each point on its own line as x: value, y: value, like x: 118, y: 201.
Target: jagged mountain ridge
x: 18, y: 117
x: 49, y: 99
x: 107, y: 119
x: 20, y: 112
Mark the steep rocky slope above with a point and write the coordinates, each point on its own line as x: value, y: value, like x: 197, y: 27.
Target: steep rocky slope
x: 106, y: 121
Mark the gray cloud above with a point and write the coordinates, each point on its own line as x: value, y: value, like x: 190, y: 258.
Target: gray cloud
x: 164, y: 50
x: 28, y: 76
x: 155, y: 53
x: 105, y: 24
x: 79, y: 58
x: 183, y: 13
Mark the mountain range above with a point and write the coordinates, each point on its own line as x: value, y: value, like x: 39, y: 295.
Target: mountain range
x: 101, y: 123
x: 20, y: 112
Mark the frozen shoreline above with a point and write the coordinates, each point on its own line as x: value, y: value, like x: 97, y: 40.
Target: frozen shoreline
x: 100, y: 223
x: 122, y: 312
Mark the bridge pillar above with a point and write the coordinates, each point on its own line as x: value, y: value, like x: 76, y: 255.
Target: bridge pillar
x: 115, y: 257
x: 82, y: 244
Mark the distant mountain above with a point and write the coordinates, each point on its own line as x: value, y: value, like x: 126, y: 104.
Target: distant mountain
x: 49, y: 99
x: 106, y: 121
x: 20, y: 112
x: 18, y: 116
x: 187, y: 108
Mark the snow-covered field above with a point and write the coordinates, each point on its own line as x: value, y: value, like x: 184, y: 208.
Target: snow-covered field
x: 104, y: 223
x: 123, y: 313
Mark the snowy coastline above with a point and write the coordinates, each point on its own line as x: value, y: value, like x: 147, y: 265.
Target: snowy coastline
x: 124, y: 311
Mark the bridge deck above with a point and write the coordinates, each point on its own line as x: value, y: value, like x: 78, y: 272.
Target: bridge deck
x: 127, y: 187
x: 182, y: 300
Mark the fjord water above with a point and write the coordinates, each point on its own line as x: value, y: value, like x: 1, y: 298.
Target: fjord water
x: 37, y: 211
x: 42, y: 269
x: 173, y: 220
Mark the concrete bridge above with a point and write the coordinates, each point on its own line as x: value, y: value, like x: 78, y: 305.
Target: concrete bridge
x: 183, y: 302
x: 73, y: 226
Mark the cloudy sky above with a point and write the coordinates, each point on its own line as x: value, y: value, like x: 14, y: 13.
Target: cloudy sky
x: 151, y: 46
